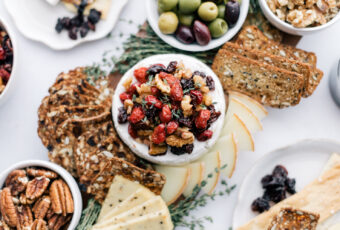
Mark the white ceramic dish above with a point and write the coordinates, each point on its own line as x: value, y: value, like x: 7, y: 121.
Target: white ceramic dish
x: 11, y: 83
x: 169, y: 158
x: 304, y: 162
x: 288, y: 28
x: 153, y: 15
x: 78, y: 202
x: 36, y: 20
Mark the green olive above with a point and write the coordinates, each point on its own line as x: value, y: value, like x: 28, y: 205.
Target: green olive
x: 221, y: 11
x: 218, y: 27
x: 186, y: 20
x: 189, y: 6
x: 166, y: 5
x: 208, y: 11
x: 168, y: 22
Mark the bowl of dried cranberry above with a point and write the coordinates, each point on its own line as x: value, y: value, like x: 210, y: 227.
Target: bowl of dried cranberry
x: 169, y: 109
x: 8, y: 60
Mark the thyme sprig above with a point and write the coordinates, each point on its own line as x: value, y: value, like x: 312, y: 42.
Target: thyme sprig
x: 89, y: 215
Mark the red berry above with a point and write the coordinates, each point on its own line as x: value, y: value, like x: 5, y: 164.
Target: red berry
x: 165, y: 114
x: 137, y: 115
x: 141, y: 74
x: 124, y: 96
x: 197, y: 97
x: 206, y: 135
x: 176, y: 92
x: 4, y: 75
x: 154, y: 91
x: 158, y: 135
x: 2, y: 54
x: 152, y: 100
x: 132, y: 131
x: 171, y: 127
x: 171, y: 79
x: 201, y: 120
x: 133, y: 87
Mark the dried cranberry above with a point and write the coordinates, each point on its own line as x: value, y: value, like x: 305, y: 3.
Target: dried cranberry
x: 2, y: 54
x: 77, y: 21
x: 280, y: 171
x: 182, y: 150
x: 187, y: 84
x: 153, y: 101
x: 165, y: 115
x: 4, y: 75
x: 133, y: 87
x: 196, y: 97
x: 84, y: 30
x: 171, y: 127
x: 72, y: 33
x: 260, y: 205
x: 176, y: 92
x: 210, y: 83
x: 169, y: 78
x: 155, y: 91
x: 124, y: 96
x: 171, y: 67
x: 140, y: 74
x: 151, y: 113
x: 199, y: 73
x: 276, y: 182
x: 158, y: 135
x: 155, y: 69
x: 214, y: 116
x: 290, y: 185
x: 276, y: 194
x: 122, y: 115
x: 187, y: 122
x: 266, y: 180
x: 91, y: 26
x: 132, y: 131
x: 137, y: 115
x: 204, y: 136
x: 66, y: 23
x: 201, y: 121
x: 94, y: 16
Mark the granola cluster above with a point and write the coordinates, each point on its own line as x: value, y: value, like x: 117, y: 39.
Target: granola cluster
x: 35, y: 198
x: 305, y: 13
x: 168, y: 107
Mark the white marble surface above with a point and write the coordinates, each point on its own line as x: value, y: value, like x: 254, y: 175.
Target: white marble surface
x: 315, y: 117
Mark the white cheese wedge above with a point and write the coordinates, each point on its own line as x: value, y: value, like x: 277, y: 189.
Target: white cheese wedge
x: 53, y: 2
x: 148, y: 207
x: 212, y: 163
x: 156, y: 221
x: 177, y: 179
x: 101, y: 5
x: 120, y: 189
x: 139, y: 197
x: 196, y: 177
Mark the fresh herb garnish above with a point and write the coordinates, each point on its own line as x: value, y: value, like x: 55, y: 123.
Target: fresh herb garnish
x: 89, y: 215
x: 176, y: 113
x: 188, y: 90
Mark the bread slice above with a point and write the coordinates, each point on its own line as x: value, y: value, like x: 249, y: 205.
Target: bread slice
x: 267, y: 84
x: 278, y: 61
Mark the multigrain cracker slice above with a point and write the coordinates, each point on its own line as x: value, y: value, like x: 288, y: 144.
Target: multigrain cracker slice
x: 98, y: 177
x: 269, y: 85
x: 292, y: 219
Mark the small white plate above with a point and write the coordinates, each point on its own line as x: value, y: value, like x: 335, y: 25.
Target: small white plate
x: 200, y: 148
x: 153, y: 15
x: 36, y: 20
x: 304, y: 162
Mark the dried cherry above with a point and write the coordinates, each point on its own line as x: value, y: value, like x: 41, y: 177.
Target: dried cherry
x: 176, y: 92
x: 169, y: 78
x: 137, y: 115
x: 165, y: 115
x: 205, y: 135
x: 124, y: 96
x: 158, y: 135
x: 122, y: 115
x: 141, y: 74
x: 171, y: 68
x: 171, y: 127
x: 132, y: 131
x: 196, y: 97
x: 210, y: 83
x: 201, y: 121
x: 153, y: 101
x: 155, y: 69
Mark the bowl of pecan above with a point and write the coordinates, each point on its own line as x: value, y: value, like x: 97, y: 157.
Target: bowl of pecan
x: 8, y: 60
x: 300, y: 17
x: 39, y: 195
x: 169, y: 109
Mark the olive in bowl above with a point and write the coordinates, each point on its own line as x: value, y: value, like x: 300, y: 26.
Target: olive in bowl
x: 185, y: 34
x: 218, y: 27
x: 168, y: 22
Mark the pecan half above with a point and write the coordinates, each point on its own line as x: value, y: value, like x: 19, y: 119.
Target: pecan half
x: 58, y: 221
x: 7, y: 208
x: 49, y: 213
x: 25, y: 217
x: 41, y: 207
x: 41, y: 172
x: 39, y: 224
x: 24, y: 200
x: 36, y: 187
x: 17, y: 181
x: 61, y: 197
x: 3, y: 225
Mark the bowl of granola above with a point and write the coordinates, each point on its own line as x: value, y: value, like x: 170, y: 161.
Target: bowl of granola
x: 169, y: 109
x: 38, y: 194
x: 299, y: 17
x: 8, y: 60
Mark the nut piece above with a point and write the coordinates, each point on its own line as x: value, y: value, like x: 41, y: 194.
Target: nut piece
x: 41, y: 172
x: 156, y: 150
x: 3, y: 225
x: 7, y: 208
x: 62, y: 201
x: 25, y: 217
x: 57, y: 221
x: 176, y: 141
x: 41, y: 207
x: 164, y: 88
x: 39, y: 224
x: 17, y: 181
x: 23, y: 199
x: 186, y: 105
x: 36, y: 187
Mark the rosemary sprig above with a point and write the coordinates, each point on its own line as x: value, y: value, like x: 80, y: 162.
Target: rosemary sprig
x: 89, y: 215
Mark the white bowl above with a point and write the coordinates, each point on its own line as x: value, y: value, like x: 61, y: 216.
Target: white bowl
x: 10, y: 84
x: 78, y: 203
x: 288, y: 28
x: 200, y: 148
x: 153, y: 15
x: 36, y: 20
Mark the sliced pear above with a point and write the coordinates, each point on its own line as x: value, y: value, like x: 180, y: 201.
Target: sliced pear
x: 244, y: 113
x: 252, y: 104
x: 212, y: 161
x: 177, y: 179
x: 235, y: 125
x: 197, y: 173
x: 227, y: 146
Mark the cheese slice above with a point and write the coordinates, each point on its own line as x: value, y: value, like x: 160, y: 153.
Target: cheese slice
x: 101, y: 5
x: 120, y: 189
x: 139, y: 197
x: 156, y: 221
x: 148, y: 207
